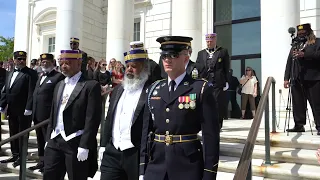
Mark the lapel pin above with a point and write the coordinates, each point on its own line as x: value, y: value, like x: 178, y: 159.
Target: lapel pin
x: 155, y: 93
x: 186, y: 83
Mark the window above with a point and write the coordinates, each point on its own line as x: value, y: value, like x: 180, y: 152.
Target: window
x: 136, y: 30
x: 227, y: 10
x: 51, y: 44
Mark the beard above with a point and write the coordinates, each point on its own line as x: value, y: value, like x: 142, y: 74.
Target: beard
x: 133, y: 82
x: 47, y: 70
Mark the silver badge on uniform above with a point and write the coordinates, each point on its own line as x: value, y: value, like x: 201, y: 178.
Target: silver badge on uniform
x: 155, y: 93
x: 152, y: 115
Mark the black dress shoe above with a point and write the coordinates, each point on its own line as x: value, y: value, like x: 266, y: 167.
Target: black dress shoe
x: 11, y: 159
x: 41, y: 170
x: 297, y: 129
x: 38, y: 166
x: 17, y: 163
x: 318, y: 133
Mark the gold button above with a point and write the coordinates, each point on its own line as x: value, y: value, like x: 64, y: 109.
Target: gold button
x: 167, y: 120
x: 167, y: 110
x: 167, y: 132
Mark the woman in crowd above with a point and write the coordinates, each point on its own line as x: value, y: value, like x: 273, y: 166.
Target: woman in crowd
x: 249, y: 91
x: 117, y: 74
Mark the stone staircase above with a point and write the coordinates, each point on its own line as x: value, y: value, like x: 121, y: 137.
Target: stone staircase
x: 293, y: 156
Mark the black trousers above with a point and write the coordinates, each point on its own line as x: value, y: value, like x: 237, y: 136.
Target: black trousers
x: 16, y: 125
x: 60, y: 156
x: 41, y: 134
x: 120, y: 165
x: 301, y: 92
x: 221, y: 101
x: 235, y: 108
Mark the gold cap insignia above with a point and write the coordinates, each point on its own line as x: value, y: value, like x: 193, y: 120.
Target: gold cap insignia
x: 300, y: 27
x: 20, y: 53
x: 167, y: 39
x: 219, y: 60
x: 44, y: 56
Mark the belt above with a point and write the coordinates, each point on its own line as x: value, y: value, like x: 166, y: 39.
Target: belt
x: 171, y: 139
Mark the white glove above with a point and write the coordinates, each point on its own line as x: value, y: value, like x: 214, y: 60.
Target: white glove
x: 101, y: 151
x: 141, y: 177
x: 82, y: 154
x: 1, y: 110
x: 45, y: 145
x: 227, y: 87
x: 27, y: 112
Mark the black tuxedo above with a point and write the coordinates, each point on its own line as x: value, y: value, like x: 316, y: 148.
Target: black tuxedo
x: 191, y: 65
x: 173, y: 116
x: 42, y: 101
x: 82, y: 112
x: 18, y: 98
x: 129, y: 163
x: 215, y: 69
x: 154, y: 70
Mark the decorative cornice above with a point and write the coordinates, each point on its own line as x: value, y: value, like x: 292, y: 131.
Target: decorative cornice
x: 142, y: 2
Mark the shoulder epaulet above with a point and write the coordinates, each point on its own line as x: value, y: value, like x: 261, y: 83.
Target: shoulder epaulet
x: 201, y: 79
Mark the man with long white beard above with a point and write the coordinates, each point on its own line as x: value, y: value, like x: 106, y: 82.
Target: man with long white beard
x: 42, y: 102
x: 120, y: 145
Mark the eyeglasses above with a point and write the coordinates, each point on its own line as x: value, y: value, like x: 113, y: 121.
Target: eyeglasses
x: 73, y: 43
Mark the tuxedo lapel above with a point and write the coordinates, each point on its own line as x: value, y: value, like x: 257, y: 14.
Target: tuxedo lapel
x: 115, y: 103
x: 58, y: 99
x: 215, y: 56
x: 76, y: 91
x: 182, y: 88
x: 9, y: 79
x: 20, y: 74
x: 141, y: 103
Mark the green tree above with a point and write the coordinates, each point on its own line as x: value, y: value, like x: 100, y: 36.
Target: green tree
x: 6, y: 48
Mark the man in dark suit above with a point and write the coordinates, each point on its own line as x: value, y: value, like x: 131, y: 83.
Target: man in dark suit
x: 74, y: 45
x: 17, y: 95
x: 3, y: 75
x: 302, y: 75
x: 42, y: 101
x: 178, y: 108
x: 190, y: 68
x: 213, y: 64
x: 74, y: 121
x: 121, y: 144
x: 154, y: 68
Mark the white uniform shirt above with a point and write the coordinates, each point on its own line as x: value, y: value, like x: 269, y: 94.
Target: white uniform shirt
x: 121, y: 131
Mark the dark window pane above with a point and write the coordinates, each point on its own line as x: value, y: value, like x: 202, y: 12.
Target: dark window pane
x: 227, y: 10
x: 50, y: 41
x: 240, y: 39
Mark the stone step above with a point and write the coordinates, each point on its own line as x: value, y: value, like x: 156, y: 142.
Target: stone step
x: 290, y: 155
x: 278, y: 170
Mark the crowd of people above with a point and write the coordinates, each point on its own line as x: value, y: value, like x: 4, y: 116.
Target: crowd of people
x: 155, y: 110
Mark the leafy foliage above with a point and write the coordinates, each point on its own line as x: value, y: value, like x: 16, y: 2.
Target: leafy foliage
x: 6, y: 48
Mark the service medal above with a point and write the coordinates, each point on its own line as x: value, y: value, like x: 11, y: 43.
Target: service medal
x: 180, y: 106
x: 186, y: 106
x: 187, y: 98
x: 193, y: 104
x: 193, y: 100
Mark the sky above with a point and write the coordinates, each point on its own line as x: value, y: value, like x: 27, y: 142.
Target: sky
x: 7, y: 17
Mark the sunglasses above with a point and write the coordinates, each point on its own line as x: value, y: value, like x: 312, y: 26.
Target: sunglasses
x: 104, y: 64
x: 23, y: 59
x: 169, y: 56
x: 73, y: 43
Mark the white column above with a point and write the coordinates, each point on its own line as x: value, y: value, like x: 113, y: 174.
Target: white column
x: 187, y: 21
x: 119, y: 28
x: 69, y: 23
x: 276, y: 17
x: 22, y: 26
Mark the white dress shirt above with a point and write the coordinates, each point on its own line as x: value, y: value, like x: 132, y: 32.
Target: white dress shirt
x: 177, y: 80
x: 67, y: 91
x: 13, y: 78
x: 121, y: 131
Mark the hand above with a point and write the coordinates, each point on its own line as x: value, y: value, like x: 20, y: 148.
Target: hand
x: 2, y: 110
x: 82, y: 154
x: 254, y: 95
x: 141, y: 177
x: 298, y: 54
x: 226, y: 87
x: 101, y: 151
x: 27, y: 112
x: 318, y: 155
x: 286, y: 84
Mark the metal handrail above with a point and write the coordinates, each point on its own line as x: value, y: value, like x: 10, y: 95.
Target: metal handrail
x: 24, y: 149
x: 244, y: 166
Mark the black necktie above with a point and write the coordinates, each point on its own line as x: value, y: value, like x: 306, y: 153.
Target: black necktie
x: 45, y: 74
x: 16, y: 70
x: 172, y: 84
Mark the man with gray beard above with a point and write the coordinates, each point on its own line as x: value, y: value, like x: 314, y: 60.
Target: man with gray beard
x: 120, y: 146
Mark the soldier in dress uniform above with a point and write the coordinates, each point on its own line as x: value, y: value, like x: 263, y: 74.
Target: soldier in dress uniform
x: 17, y: 95
x: 42, y: 102
x: 73, y: 124
x: 154, y: 68
x: 74, y: 45
x: 213, y: 64
x: 304, y: 76
x: 178, y: 108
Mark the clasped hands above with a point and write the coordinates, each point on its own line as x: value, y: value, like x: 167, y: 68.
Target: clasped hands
x: 298, y: 54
